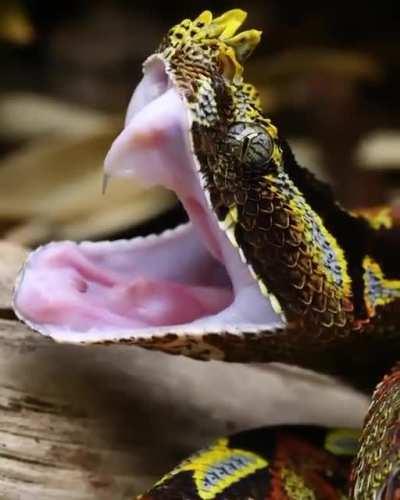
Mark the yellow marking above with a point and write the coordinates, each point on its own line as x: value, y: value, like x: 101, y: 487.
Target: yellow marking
x: 342, y: 261
x: 231, y: 236
x: 275, y: 304
x: 263, y: 288
x: 300, y: 206
x: 231, y: 217
x: 223, y: 40
x: 378, y: 218
x: 244, y: 43
x: 343, y: 442
x: 233, y: 70
x: 218, y: 467
x: 252, y: 272
x: 382, y: 219
x: 295, y: 486
x: 229, y: 223
x: 205, y: 17
x: 233, y: 47
x: 270, y: 181
x: 242, y: 255
x: 276, y: 153
x: 390, y: 288
x: 229, y: 22
x: 273, y: 131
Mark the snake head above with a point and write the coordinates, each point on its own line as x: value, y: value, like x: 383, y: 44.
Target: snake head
x: 204, y: 60
x: 230, y: 284
x: 209, y: 47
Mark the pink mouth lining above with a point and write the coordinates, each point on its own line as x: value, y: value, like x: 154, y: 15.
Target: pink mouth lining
x: 123, y: 284
x: 189, y: 276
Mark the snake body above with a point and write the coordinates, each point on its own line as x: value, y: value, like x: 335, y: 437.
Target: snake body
x: 271, y: 268
x: 334, y: 276
x: 275, y: 463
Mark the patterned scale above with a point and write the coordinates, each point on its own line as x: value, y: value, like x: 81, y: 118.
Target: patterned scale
x: 295, y: 238
x: 333, y: 275
x: 376, y: 472
x: 269, y: 216
x: 285, y: 463
x: 247, y: 176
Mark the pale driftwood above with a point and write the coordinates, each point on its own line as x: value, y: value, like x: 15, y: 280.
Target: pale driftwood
x: 93, y: 423
x: 85, y: 423
x: 12, y: 257
x: 379, y: 151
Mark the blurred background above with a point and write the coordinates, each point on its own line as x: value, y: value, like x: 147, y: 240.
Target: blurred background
x: 328, y: 74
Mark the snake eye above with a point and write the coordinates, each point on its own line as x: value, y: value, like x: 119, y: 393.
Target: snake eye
x: 250, y: 143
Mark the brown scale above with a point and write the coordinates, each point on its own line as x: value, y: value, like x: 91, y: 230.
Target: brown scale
x: 330, y: 328
x: 265, y: 221
x: 376, y: 472
x: 297, y: 467
x: 271, y: 239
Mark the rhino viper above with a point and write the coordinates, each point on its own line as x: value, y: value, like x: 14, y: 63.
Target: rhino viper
x: 270, y: 268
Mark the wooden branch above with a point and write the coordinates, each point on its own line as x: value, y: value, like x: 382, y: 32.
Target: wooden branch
x: 80, y: 423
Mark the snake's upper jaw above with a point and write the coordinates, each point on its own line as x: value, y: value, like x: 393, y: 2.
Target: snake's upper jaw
x: 188, y: 281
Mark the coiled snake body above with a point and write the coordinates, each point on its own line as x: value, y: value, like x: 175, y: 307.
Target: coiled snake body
x: 334, y: 276
x: 271, y: 268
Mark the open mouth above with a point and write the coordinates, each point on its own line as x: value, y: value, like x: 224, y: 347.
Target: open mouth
x: 190, y: 279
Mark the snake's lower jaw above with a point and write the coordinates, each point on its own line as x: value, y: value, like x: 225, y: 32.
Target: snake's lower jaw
x: 182, y: 284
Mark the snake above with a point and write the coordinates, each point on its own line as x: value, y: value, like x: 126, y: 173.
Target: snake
x: 270, y: 268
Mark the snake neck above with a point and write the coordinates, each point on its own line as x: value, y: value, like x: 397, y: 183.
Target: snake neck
x: 376, y: 469
x: 320, y: 262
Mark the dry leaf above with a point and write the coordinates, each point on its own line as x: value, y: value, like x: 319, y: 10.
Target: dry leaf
x: 30, y: 116
x: 52, y: 190
x: 15, y: 26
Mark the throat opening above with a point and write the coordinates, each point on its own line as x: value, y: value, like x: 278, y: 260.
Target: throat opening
x: 187, y: 280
